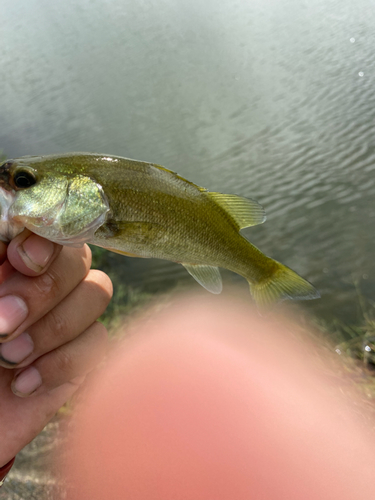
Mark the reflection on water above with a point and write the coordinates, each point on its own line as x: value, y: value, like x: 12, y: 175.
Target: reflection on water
x: 270, y: 99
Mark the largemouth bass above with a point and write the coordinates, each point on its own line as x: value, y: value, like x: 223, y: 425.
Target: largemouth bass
x: 143, y: 210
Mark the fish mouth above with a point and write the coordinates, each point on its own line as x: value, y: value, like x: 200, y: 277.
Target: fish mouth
x: 6, y: 201
x: 5, y: 174
x: 8, y: 228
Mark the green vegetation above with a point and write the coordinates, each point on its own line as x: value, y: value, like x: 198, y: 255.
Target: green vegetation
x: 125, y: 298
x: 355, y: 345
x: 350, y: 341
x: 357, y: 340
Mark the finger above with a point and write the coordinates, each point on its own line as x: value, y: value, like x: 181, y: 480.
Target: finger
x: 23, y: 423
x: 24, y: 300
x: 31, y: 254
x: 62, y: 324
x: 64, y: 364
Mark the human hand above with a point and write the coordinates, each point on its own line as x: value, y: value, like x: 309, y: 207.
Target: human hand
x: 49, y: 337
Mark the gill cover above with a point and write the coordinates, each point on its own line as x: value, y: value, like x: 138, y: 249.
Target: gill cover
x: 64, y: 210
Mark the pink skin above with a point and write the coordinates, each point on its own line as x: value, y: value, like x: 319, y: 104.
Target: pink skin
x: 50, y: 339
x: 207, y: 400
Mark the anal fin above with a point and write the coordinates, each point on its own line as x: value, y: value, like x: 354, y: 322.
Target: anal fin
x: 207, y: 276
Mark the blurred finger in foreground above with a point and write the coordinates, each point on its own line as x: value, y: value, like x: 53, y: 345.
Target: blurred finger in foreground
x: 210, y: 401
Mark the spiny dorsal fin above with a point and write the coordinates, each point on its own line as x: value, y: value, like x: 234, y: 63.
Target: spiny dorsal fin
x: 245, y: 212
x: 207, y: 276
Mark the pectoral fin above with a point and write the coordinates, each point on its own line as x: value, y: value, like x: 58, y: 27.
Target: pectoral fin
x: 207, y: 276
x: 245, y: 212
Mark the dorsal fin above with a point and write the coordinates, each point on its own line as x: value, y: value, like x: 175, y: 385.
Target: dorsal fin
x: 245, y: 212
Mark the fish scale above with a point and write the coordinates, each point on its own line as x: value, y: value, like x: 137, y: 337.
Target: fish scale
x: 141, y: 209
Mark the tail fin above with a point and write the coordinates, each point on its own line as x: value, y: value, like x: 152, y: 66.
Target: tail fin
x: 282, y: 284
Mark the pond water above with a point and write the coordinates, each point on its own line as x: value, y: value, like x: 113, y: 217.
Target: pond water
x: 269, y: 99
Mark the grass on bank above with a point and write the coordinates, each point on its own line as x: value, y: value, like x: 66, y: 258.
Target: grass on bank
x: 354, y: 343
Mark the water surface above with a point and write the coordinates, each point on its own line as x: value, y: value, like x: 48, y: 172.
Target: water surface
x: 270, y: 99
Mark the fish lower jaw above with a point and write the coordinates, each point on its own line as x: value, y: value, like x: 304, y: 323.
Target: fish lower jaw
x: 9, y: 228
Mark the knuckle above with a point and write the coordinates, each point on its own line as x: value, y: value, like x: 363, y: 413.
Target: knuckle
x: 84, y: 255
x: 88, y: 253
x: 57, y: 324
x: 100, y: 285
x: 78, y: 259
x: 63, y: 362
x: 46, y: 284
x: 106, y: 283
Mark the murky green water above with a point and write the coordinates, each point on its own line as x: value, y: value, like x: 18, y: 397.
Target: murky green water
x: 270, y: 99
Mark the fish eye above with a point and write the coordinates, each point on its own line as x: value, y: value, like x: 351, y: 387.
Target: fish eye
x: 24, y: 179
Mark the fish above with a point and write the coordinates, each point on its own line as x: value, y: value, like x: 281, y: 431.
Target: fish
x: 142, y: 209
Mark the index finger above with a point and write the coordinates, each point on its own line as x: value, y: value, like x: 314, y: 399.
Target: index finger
x: 31, y: 254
